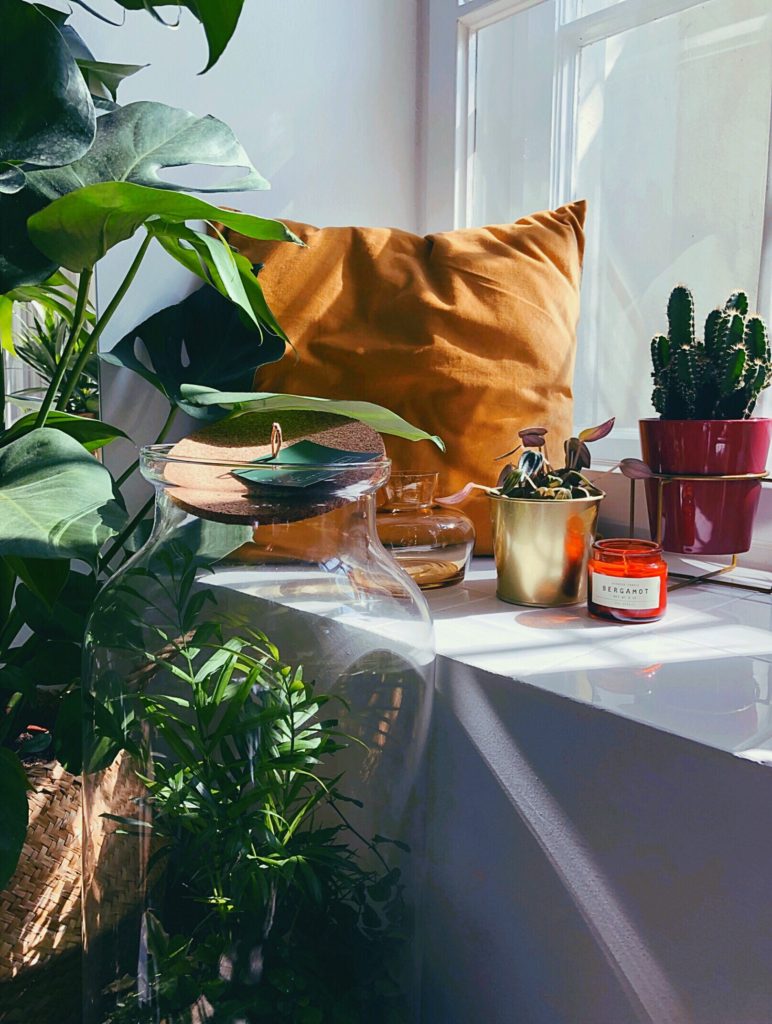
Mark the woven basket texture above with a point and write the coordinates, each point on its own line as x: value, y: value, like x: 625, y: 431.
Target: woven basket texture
x: 40, y: 918
x: 41, y: 907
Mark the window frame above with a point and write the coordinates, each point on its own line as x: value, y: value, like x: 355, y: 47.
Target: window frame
x: 447, y: 123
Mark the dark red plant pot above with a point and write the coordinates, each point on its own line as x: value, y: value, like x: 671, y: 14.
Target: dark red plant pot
x: 707, y: 517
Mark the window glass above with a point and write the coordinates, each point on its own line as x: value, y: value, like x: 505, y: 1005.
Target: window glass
x: 510, y: 151
x: 672, y: 142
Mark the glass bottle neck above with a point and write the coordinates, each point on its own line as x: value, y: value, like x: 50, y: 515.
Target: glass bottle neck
x: 410, y: 491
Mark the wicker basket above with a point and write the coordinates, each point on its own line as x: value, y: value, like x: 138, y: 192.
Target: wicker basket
x: 40, y: 918
x: 41, y: 907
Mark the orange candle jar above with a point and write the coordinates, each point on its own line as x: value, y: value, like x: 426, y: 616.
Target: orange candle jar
x: 627, y: 580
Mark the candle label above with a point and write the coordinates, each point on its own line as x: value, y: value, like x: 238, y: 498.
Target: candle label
x: 618, y: 592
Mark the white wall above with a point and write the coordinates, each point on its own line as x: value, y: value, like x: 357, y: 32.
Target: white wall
x: 321, y: 93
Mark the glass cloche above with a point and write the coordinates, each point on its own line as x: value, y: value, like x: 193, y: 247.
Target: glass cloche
x: 259, y: 699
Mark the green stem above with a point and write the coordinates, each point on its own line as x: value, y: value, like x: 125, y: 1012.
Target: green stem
x: 161, y: 436
x: 78, y: 319
x: 124, y: 535
x: 99, y: 327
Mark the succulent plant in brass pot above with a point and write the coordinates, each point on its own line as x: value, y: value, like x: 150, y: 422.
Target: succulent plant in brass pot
x: 544, y: 520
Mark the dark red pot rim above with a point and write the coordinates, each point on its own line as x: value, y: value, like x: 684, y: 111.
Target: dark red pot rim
x: 750, y: 419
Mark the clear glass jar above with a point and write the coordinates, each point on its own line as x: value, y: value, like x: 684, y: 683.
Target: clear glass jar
x: 254, y: 735
x: 627, y: 580
x: 431, y: 543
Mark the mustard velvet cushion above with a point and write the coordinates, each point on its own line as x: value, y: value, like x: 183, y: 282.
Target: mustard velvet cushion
x: 469, y: 334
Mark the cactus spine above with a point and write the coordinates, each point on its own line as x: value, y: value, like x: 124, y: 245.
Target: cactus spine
x: 719, y: 377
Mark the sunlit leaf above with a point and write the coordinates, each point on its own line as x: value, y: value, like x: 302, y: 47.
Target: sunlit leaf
x: 596, y: 433
x: 12, y: 178
x: 137, y: 142
x: 375, y: 416
x: 93, y: 434
x: 56, y: 500
x: 78, y: 229
x: 106, y: 77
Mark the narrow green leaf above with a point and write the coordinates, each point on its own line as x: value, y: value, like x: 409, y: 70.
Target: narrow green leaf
x: 79, y: 228
x: 375, y: 416
x: 6, y: 324
x: 93, y: 434
x: 212, y: 259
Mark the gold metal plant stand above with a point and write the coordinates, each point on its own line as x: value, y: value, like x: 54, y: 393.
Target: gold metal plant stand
x: 684, y: 579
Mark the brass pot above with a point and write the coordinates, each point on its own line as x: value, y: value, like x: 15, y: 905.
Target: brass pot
x: 542, y: 547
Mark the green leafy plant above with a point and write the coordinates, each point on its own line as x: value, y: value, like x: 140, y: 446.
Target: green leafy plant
x: 236, y: 404
x: 58, y: 505
x: 534, y: 477
x: 40, y: 344
x: 72, y: 186
x: 718, y: 377
x: 268, y: 904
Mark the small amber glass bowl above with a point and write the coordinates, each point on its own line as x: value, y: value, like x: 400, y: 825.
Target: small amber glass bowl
x: 627, y: 580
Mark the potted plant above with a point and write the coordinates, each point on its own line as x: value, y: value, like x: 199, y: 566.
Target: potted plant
x: 63, y: 524
x: 39, y: 345
x: 543, y: 520
x: 705, y: 391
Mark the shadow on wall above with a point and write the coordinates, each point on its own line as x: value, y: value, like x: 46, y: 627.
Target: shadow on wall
x: 585, y: 869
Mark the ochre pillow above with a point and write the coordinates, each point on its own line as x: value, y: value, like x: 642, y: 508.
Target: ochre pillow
x: 469, y: 334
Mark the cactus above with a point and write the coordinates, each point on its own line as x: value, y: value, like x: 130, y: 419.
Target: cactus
x: 719, y: 377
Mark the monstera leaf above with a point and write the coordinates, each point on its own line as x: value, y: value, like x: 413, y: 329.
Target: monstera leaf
x: 56, y: 500
x: 48, y: 116
x: 202, y: 338
x: 375, y: 416
x: 135, y: 142
x: 78, y: 229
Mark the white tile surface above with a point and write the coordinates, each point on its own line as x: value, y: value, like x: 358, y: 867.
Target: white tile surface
x: 704, y: 671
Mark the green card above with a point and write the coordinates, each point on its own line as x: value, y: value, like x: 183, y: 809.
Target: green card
x: 305, y: 455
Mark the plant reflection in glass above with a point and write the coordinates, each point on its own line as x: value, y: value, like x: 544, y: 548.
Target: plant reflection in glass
x: 266, y: 903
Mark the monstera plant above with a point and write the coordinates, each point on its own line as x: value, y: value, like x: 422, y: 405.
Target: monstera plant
x: 79, y: 174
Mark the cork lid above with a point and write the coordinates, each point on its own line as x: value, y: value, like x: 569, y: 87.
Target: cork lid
x: 232, y: 471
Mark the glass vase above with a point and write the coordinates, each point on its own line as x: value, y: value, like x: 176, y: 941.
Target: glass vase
x: 254, y: 739
x: 431, y: 543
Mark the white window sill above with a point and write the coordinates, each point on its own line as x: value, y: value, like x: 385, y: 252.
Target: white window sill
x: 703, y: 672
